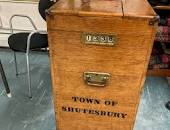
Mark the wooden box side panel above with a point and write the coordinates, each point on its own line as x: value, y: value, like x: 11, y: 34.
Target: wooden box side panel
x: 126, y: 62
x: 98, y: 24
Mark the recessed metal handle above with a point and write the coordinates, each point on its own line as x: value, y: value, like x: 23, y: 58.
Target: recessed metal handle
x: 96, y: 78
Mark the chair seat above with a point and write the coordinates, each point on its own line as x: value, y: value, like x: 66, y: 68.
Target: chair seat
x: 18, y: 41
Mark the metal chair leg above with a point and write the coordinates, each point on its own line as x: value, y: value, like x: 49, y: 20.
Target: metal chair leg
x: 5, y: 81
x: 29, y: 78
x: 167, y: 105
x: 16, y: 67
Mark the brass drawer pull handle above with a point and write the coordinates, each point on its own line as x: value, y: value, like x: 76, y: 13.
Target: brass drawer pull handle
x: 96, y: 78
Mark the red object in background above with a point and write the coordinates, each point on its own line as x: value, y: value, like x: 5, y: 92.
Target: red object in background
x: 165, y: 30
x: 165, y: 58
x: 163, y: 34
x: 168, y: 23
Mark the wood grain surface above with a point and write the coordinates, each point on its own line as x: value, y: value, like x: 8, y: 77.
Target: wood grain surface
x: 96, y: 7
x: 159, y: 72
x: 162, y: 7
x: 138, y: 8
x: 114, y: 106
x: 129, y: 8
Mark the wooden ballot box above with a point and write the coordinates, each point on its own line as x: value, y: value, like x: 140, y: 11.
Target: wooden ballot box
x: 99, y: 52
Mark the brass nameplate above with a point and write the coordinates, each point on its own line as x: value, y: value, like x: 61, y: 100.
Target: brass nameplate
x: 96, y: 78
x: 99, y: 39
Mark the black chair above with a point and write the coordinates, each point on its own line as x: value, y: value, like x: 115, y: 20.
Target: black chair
x: 167, y: 105
x: 26, y: 41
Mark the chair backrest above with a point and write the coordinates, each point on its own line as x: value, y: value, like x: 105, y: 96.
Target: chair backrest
x: 43, y: 5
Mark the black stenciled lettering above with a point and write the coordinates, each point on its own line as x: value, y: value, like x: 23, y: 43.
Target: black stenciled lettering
x: 97, y: 112
x: 97, y: 101
x: 64, y: 109
x: 77, y: 110
x: 82, y: 100
x: 103, y: 113
x: 89, y: 100
x: 107, y: 103
x: 110, y: 113
x: 114, y: 103
x: 110, y: 103
x: 115, y: 114
x: 91, y: 112
x: 70, y: 109
x: 85, y: 111
x: 86, y: 100
x: 94, y: 112
x: 75, y: 99
x: 123, y: 115
x: 94, y: 101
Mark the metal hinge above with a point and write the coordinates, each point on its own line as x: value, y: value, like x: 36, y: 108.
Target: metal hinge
x: 154, y: 20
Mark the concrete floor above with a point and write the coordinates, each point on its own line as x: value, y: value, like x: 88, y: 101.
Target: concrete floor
x: 20, y: 113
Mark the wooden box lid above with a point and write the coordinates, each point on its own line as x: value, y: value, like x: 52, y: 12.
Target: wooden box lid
x: 123, y: 8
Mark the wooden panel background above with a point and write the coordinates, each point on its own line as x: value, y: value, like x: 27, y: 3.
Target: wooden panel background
x: 126, y: 62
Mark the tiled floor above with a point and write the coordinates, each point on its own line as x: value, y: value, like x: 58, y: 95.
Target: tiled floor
x: 21, y: 113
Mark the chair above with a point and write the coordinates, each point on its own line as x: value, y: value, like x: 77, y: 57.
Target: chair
x: 4, y: 80
x: 26, y: 41
x: 167, y: 105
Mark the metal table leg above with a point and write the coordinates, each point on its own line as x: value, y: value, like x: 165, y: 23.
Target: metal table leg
x: 4, y: 80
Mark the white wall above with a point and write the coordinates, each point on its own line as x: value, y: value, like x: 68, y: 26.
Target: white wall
x: 7, y: 9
